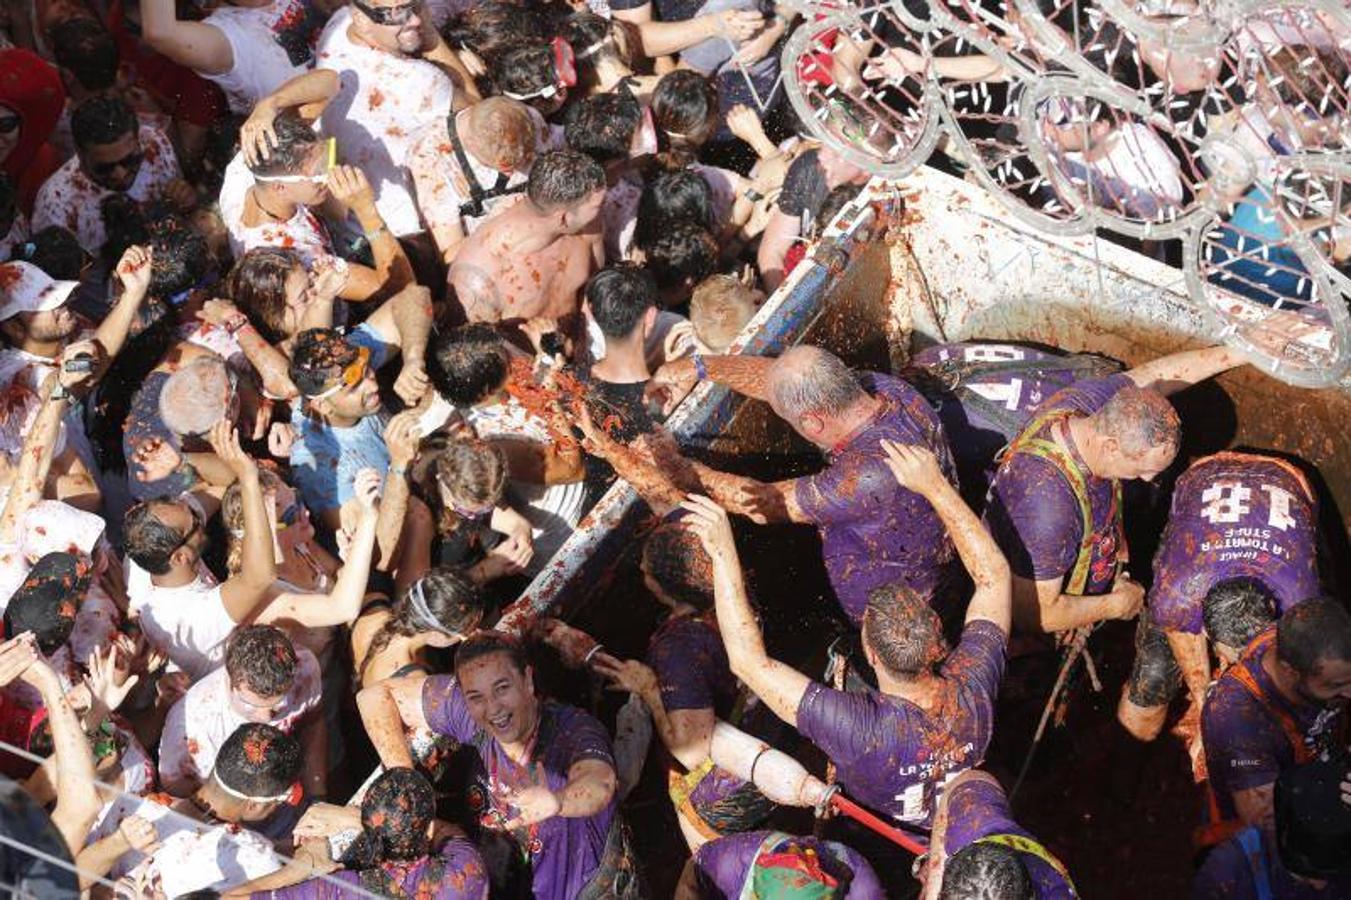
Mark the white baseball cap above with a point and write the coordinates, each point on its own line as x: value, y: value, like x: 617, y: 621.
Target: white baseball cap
x: 26, y: 288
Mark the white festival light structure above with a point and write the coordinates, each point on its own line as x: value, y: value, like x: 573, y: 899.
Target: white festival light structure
x: 1224, y: 124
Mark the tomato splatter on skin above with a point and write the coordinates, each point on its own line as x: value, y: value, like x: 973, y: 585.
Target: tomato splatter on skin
x: 377, y: 98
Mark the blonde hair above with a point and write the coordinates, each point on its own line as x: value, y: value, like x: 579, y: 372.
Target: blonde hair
x: 232, y: 516
x: 719, y: 308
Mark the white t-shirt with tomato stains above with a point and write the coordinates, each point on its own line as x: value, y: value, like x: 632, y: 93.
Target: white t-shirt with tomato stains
x: 271, y: 45
x: 193, y: 856
x: 383, y: 100
x: 200, y: 722
x: 70, y: 199
x: 304, y: 232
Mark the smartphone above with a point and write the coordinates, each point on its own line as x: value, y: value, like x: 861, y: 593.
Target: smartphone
x: 80, y: 364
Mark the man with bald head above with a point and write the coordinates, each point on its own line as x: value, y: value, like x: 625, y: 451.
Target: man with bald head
x: 873, y: 530
x: 1055, y: 501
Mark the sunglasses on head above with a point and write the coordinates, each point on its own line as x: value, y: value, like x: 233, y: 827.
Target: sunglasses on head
x: 131, y: 161
x: 9, y: 124
x: 389, y: 15
x: 565, y: 73
x: 330, y: 160
x: 198, y: 523
x: 352, y: 374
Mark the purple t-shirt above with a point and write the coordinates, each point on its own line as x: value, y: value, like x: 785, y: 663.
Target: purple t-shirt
x: 1228, y: 875
x: 1245, y: 746
x: 455, y: 873
x: 724, y: 864
x: 1234, y: 515
x: 873, y: 531
x: 978, y: 809
x: 1033, y: 513
x: 892, y: 756
x: 970, y: 381
x: 564, y: 853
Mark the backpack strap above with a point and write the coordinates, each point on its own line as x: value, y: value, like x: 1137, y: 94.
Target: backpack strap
x: 1293, y: 733
x: 473, y: 207
x: 1024, y: 844
x: 1059, y: 457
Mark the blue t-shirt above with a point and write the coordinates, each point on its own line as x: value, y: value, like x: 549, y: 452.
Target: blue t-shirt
x: 326, y: 459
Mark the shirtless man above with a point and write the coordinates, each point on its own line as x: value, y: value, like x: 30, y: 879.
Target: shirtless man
x: 531, y: 259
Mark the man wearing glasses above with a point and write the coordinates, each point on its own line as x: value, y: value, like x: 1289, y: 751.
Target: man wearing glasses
x: 341, y: 426
x: 115, y: 154
x: 181, y: 608
x: 395, y: 77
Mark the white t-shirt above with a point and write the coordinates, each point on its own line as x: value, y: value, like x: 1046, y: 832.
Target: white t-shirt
x: 69, y: 199
x: 200, y: 722
x: 195, y: 856
x: 189, y: 623
x: 17, y: 234
x: 270, y: 44
x: 303, y: 232
x: 383, y: 100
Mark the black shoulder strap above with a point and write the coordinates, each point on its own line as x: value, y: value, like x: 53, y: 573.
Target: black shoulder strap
x: 473, y: 207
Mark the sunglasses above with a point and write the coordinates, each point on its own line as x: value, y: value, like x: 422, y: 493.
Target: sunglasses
x: 352, y: 374
x: 389, y: 15
x: 129, y: 162
x: 198, y: 523
x: 565, y: 73
x: 9, y: 124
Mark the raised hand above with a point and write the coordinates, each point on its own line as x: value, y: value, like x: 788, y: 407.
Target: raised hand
x: 679, y: 375
x: 139, y: 834
x: 628, y: 675
x: 402, y: 435
x: 16, y: 655
x: 155, y: 458
x: 133, y: 270
x: 349, y: 186
x: 366, y: 488
x: 79, y: 361
x: 739, y: 25
x: 224, y: 438
x: 257, y: 137
x: 412, y: 382
x: 327, y: 278
x: 745, y: 123
x: 107, y: 681
x: 573, y: 644
x: 915, y: 468
x: 710, y: 524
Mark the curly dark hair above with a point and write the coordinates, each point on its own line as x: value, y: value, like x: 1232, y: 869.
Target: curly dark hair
x: 395, y: 815
x: 261, y: 658
x: 468, y: 363
x: 258, y: 761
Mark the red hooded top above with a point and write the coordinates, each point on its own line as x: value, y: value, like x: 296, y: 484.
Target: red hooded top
x: 32, y: 88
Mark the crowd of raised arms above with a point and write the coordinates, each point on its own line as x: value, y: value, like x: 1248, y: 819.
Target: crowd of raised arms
x: 323, y: 324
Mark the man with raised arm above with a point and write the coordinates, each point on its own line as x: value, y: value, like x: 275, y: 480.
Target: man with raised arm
x: 181, y: 608
x: 1055, y: 502
x: 932, y: 713
x: 874, y: 531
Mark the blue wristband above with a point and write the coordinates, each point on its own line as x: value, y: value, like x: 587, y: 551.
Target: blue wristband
x: 700, y: 370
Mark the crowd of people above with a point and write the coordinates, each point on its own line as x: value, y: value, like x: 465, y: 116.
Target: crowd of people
x: 324, y: 325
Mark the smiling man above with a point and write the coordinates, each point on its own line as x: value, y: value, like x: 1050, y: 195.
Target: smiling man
x: 546, y: 773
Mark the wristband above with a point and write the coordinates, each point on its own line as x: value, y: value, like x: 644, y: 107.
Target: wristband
x: 753, y: 195
x: 700, y: 369
x: 400, y: 470
x: 236, y: 325
x: 586, y: 660
x: 60, y: 393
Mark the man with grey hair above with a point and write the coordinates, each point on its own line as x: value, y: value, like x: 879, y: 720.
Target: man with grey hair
x: 874, y: 531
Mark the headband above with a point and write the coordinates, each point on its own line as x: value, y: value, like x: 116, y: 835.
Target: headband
x: 422, y: 614
x: 293, y: 794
